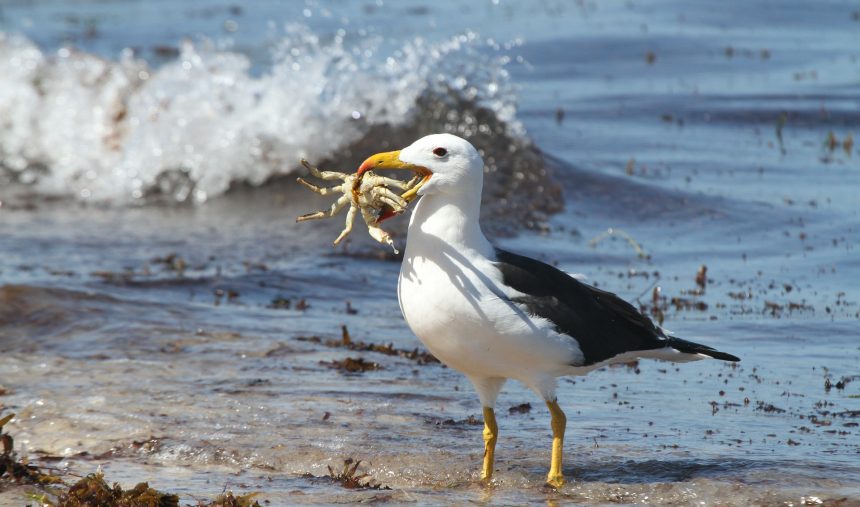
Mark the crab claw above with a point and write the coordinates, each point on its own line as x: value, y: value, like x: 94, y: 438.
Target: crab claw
x: 382, y: 237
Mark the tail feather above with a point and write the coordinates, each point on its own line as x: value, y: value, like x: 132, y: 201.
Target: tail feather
x: 697, y: 348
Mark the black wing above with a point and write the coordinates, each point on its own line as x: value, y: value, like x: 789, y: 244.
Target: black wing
x: 603, y: 324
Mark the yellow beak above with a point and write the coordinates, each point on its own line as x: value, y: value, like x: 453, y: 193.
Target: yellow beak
x: 391, y: 160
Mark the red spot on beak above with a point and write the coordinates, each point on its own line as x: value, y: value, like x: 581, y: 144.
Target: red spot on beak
x: 364, y: 167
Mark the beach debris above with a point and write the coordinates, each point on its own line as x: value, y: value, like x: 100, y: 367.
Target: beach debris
x: 627, y: 237
x: 348, y: 478
x: 702, y: 277
x: 352, y: 365
x: 172, y: 262
x: 780, y: 125
x: 346, y: 341
x: 349, y: 309
x: 832, y: 142
x: 345, y: 337
x: 93, y: 490
x: 839, y: 384
x: 229, y: 500
x: 18, y: 470
x: 472, y: 420
x: 280, y: 303
x: 366, y: 193
x: 769, y: 408
x: 522, y: 408
x: 658, y: 304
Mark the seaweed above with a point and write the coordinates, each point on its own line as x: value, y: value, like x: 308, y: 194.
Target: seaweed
x: 352, y: 365
x: 769, y: 408
x: 92, y: 491
x: 688, y: 304
x: 347, y: 342
x: 348, y: 478
x: 702, y: 278
x: 780, y: 124
x: 522, y: 408
x: 228, y: 500
x: 831, y: 142
x: 171, y: 262
x: 18, y: 470
x: 280, y: 303
x: 469, y: 421
x: 660, y: 304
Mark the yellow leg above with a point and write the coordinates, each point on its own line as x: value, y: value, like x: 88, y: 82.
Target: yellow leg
x: 555, y: 478
x: 491, y: 432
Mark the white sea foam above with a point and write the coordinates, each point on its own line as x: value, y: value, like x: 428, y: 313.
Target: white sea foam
x: 72, y: 123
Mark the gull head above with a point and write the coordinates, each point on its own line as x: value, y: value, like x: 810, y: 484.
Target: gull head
x: 445, y: 162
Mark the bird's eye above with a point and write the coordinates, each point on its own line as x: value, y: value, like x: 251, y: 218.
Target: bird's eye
x: 440, y: 152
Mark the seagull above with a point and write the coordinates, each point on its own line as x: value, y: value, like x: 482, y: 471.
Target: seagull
x: 495, y: 315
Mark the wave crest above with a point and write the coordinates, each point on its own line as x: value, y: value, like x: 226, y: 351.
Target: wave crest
x: 120, y: 131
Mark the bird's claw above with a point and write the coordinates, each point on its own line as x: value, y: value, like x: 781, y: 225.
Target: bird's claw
x: 555, y: 481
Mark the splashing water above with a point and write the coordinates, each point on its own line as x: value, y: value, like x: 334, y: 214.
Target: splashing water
x: 117, y: 131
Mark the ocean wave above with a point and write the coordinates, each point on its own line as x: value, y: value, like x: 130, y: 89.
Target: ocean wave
x: 75, y: 124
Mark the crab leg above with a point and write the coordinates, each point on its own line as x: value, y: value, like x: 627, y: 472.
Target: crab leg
x: 324, y: 175
x: 320, y: 190
x: 375, y: 231
x: 335, y: 209
x: 350, y: 219
x: 385, y: 194
x: 414, y: 181
x: 393, y: 182
x: 393, y: 200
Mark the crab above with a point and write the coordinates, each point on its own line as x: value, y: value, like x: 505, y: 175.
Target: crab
x: 364, y: 192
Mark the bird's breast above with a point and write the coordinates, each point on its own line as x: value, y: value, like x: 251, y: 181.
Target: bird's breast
x: 437, y: 301
x: 458, y: 308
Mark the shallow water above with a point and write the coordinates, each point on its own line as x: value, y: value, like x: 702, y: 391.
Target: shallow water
x: 140, y: 335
